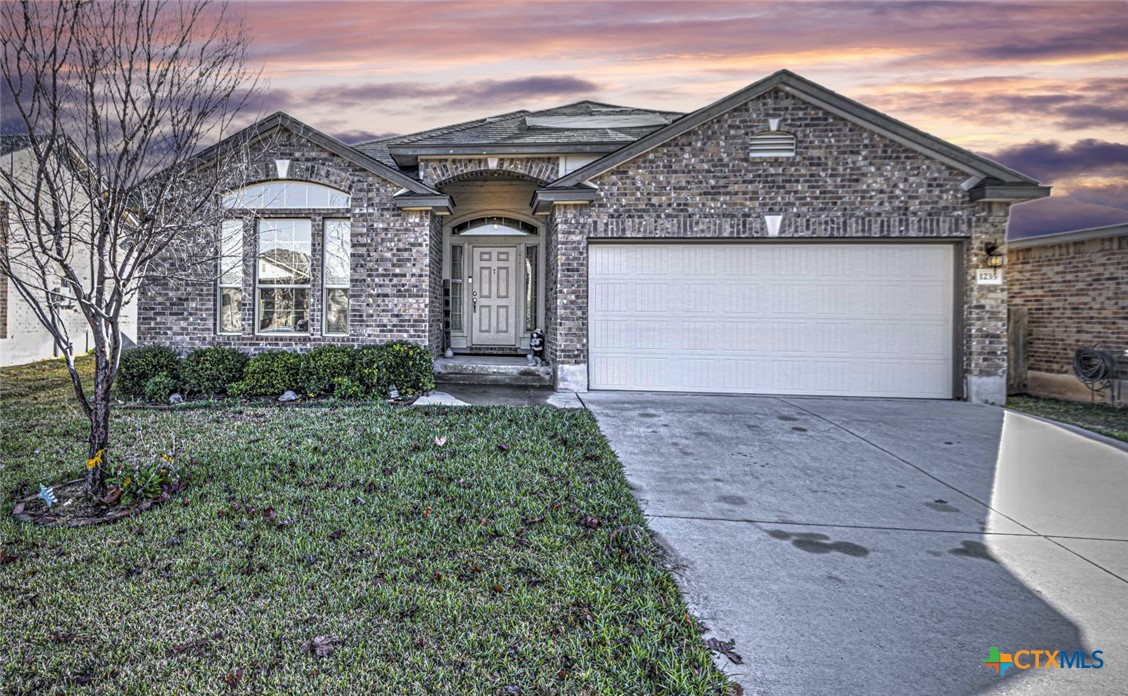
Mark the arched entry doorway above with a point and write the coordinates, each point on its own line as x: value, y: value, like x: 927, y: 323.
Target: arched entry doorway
x: 494, y: 264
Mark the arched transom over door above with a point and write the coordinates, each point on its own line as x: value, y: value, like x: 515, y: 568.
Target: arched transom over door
x: 493, y: 296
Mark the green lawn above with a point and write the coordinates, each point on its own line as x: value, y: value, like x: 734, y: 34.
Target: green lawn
x: 460, y: 568
x: 1100, y: 418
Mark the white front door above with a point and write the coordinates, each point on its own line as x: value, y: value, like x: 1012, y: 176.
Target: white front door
x: 493, y: 297
x: 822, y: 318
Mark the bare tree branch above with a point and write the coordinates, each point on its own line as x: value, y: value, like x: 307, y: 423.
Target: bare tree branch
x: 113, y: 99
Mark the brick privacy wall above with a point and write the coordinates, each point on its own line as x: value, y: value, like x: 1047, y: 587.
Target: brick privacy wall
x: 439, y: 171
x: 844, y: 182
x: 1075, y: 295
x: 389, y: 294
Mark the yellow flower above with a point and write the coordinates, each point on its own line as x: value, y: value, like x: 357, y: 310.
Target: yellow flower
x: 167, y: 457
x: 96, y: 460
x: 127, y: 481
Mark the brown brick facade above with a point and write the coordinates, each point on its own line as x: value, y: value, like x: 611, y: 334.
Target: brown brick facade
x: 393, y: 263
x: 844, y: 182
x: 1075, y: 294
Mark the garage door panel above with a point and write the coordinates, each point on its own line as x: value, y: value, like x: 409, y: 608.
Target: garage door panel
x: 861, y: 319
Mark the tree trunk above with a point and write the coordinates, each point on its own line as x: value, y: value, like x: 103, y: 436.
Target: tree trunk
x: 99, y: 431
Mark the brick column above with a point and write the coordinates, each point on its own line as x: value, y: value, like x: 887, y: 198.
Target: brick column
x: 566, y: 296
x: 985, y: 311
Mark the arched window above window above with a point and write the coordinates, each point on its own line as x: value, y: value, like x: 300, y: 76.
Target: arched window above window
x: 772, y: 144
x: 485, y: 226
x: 286, y: 194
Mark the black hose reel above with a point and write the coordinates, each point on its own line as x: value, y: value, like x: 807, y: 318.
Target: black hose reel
x: 1099, y: 370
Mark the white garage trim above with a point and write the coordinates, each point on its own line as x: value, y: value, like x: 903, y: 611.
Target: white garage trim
x: 828, y: 318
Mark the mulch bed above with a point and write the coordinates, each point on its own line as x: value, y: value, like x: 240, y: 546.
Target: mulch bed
x: 75, y: 509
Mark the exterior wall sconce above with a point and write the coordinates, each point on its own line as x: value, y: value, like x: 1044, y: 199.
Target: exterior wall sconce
x: 995, y: 257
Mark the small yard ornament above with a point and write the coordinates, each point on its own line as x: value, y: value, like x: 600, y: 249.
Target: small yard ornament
x: 393, y: 393
x: 536, y: 344
x: 175, y: 399
x: 288, y: 395
x: 47, y: 494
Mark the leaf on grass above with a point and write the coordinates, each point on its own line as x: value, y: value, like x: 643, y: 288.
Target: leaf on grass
x: 503, y: 447
x: 320, y: 646
x: 440, y: 441
x: 6, y: 558
x: 724, y: 647
x: 233, y: 679
x: 63, y: 637
x: 337, y: 534
x: 589, y: 521
x: 499, y: 589
x: 270, y: 514
x: 427, y: 512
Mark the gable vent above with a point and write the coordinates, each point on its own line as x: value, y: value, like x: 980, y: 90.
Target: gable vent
x: 772, y: 144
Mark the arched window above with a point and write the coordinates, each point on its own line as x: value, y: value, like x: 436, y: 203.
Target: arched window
x: 286, y: 194
x: 772, y: 144
x: 485, y: 226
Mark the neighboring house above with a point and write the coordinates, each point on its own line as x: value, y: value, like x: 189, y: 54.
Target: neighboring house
x: 1074, y: 288
x: 23, y: 338
x: 783, y: 240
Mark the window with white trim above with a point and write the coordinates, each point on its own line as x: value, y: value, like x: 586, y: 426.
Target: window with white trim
x: 336, y: 275
x: 282, y: 283
x: 286, y: 194
x: 230, y: 294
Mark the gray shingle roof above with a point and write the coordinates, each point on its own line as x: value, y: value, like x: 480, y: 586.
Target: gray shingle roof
x: 591, y: 123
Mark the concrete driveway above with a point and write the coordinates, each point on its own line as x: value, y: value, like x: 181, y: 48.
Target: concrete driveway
x: 867, y: 546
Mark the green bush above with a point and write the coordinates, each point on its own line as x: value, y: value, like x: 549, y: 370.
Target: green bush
x: 347, y: 388
x: 269, y: 374
x: 322, y: 365
x: 159, y: 387
x: 407, y: 366
x: 139, y: 365
x: 212, y: 370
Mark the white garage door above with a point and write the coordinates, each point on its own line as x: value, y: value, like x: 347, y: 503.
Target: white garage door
x: 836, y: 319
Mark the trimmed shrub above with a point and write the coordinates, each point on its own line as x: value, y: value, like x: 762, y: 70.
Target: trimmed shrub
x: 324, y: 364
x: 269, y: 374
x: 139, y: 365
x: 212, y: 370
x: 407, y: 366
x: 159, y: 387
x: 347, y: 388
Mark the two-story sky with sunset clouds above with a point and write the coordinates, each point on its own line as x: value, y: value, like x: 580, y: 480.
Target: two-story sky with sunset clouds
x: 1040, y: 85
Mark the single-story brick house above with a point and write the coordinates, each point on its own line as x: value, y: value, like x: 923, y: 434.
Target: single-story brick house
x: 1073, y: 287
x: 783, y: 240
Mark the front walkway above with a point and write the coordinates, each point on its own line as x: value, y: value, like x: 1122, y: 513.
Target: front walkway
x: 883, y: 546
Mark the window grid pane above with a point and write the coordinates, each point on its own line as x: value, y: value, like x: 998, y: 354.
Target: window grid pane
x: 285, y: 249
x: 230, y: 304
x: 336, y: 311
x: 231, y: 254
x: 283, y: 310
x: 456, y: 288
x: 337, y: 253
x: 530, y: 288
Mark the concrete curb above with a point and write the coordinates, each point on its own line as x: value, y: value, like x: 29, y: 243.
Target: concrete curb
x: 1104, y: 439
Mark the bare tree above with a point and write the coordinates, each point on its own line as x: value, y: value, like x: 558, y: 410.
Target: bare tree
x: 112, y: 100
